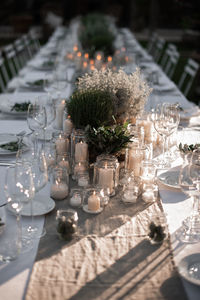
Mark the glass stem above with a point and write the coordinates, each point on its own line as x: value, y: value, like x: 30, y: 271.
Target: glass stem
x: 164, y: 145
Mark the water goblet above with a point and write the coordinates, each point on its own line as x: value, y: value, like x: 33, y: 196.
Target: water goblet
x: 37, y: 120
x: 19, y: 190
x: 190, y: 230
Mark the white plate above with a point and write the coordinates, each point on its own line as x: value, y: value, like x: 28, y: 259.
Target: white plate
x: 41, y: 206
x: 6, y: 138
x: 187, y: 265
x: 85, y: 208
x: 170, y: 178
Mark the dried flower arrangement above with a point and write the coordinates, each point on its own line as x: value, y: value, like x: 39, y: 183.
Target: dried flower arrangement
x: 130, y: 91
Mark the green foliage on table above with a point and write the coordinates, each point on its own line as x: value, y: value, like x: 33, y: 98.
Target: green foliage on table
x: 95, y: 34
x: 20, y: 107
x: 107, y: 139
x: 12, y: 146
x: 91, y: 107
x: 185, y: 148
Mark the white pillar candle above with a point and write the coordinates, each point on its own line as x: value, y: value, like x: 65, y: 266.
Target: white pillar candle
x: 62, y: 145
x: 106, y: 178
x: 94, y: 202
x: 59, y: 190
x: 67, y: 126
x: 75, y: 200
x: 81, y: 151
x: 59, y: 115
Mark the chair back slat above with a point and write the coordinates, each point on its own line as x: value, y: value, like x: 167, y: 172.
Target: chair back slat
x: 188, y: 75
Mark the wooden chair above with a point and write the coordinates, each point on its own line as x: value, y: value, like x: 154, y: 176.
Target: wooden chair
x: 188, y: 75
x: 35, y: 43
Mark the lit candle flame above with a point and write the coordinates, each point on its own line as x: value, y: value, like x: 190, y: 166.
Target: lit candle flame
x: 98, y: 57
x: 86, y: 55
x: 75, y: 48
x: 109, y: 58
x: 79, y: 54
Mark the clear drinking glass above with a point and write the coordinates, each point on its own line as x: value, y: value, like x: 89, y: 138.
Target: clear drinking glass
x: 39, y: 170
x: 19, y: 190
x: 166, y: 120
x: 190, y: 230
x: 37, y: 120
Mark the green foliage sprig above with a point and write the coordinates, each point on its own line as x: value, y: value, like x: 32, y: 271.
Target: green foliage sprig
x: 20, y: 107
x: 95, y: 34
x: 107, y: 139
x: 188, y: 148
x: 91, y: 107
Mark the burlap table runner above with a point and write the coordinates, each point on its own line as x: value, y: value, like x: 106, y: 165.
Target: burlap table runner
x: 110, y: 259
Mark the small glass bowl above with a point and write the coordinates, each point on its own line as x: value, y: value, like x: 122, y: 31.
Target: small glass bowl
x: 158, y: 228
x: 67, y: 221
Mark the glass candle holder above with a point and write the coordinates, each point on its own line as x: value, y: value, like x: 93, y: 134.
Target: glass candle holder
x: 79, y: 147
x: 158, y: 229
x: 148, y: 172
x: 83, y: 179
x: 62, y: 143
x: 131, y: 190
x: 67, y: 221
x: 80, y: 168
x: 133, y: 159
x: 63, y: 161
x: 92, y: 202
x: 67, y: 123
x: 76, y: 197
x: 149, y: 192
x: 112, y: 160
x: 59, y: 184
x: 105, y: 176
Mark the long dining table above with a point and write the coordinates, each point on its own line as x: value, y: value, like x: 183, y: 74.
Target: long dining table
x: 111, y: 256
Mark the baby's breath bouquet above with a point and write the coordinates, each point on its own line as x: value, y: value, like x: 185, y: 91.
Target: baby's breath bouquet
x: 130, y: 91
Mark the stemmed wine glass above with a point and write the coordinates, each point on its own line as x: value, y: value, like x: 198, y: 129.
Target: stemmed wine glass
x: 190, y: 230
x: 166, y: 120
x: 19, y: 190
x: 37, y: 120
x: 39, y: 170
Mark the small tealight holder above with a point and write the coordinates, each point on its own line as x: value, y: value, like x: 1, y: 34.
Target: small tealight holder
x: 59, y: 184
x: 149, y: 192
x: 92, y: 202
x: 131, y: 191
x: 83, y: 179
x: 76, y: 197
x: 62, y: 143
x: 67, y: 221
x: 148, y: 172
x: 79, y: 147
